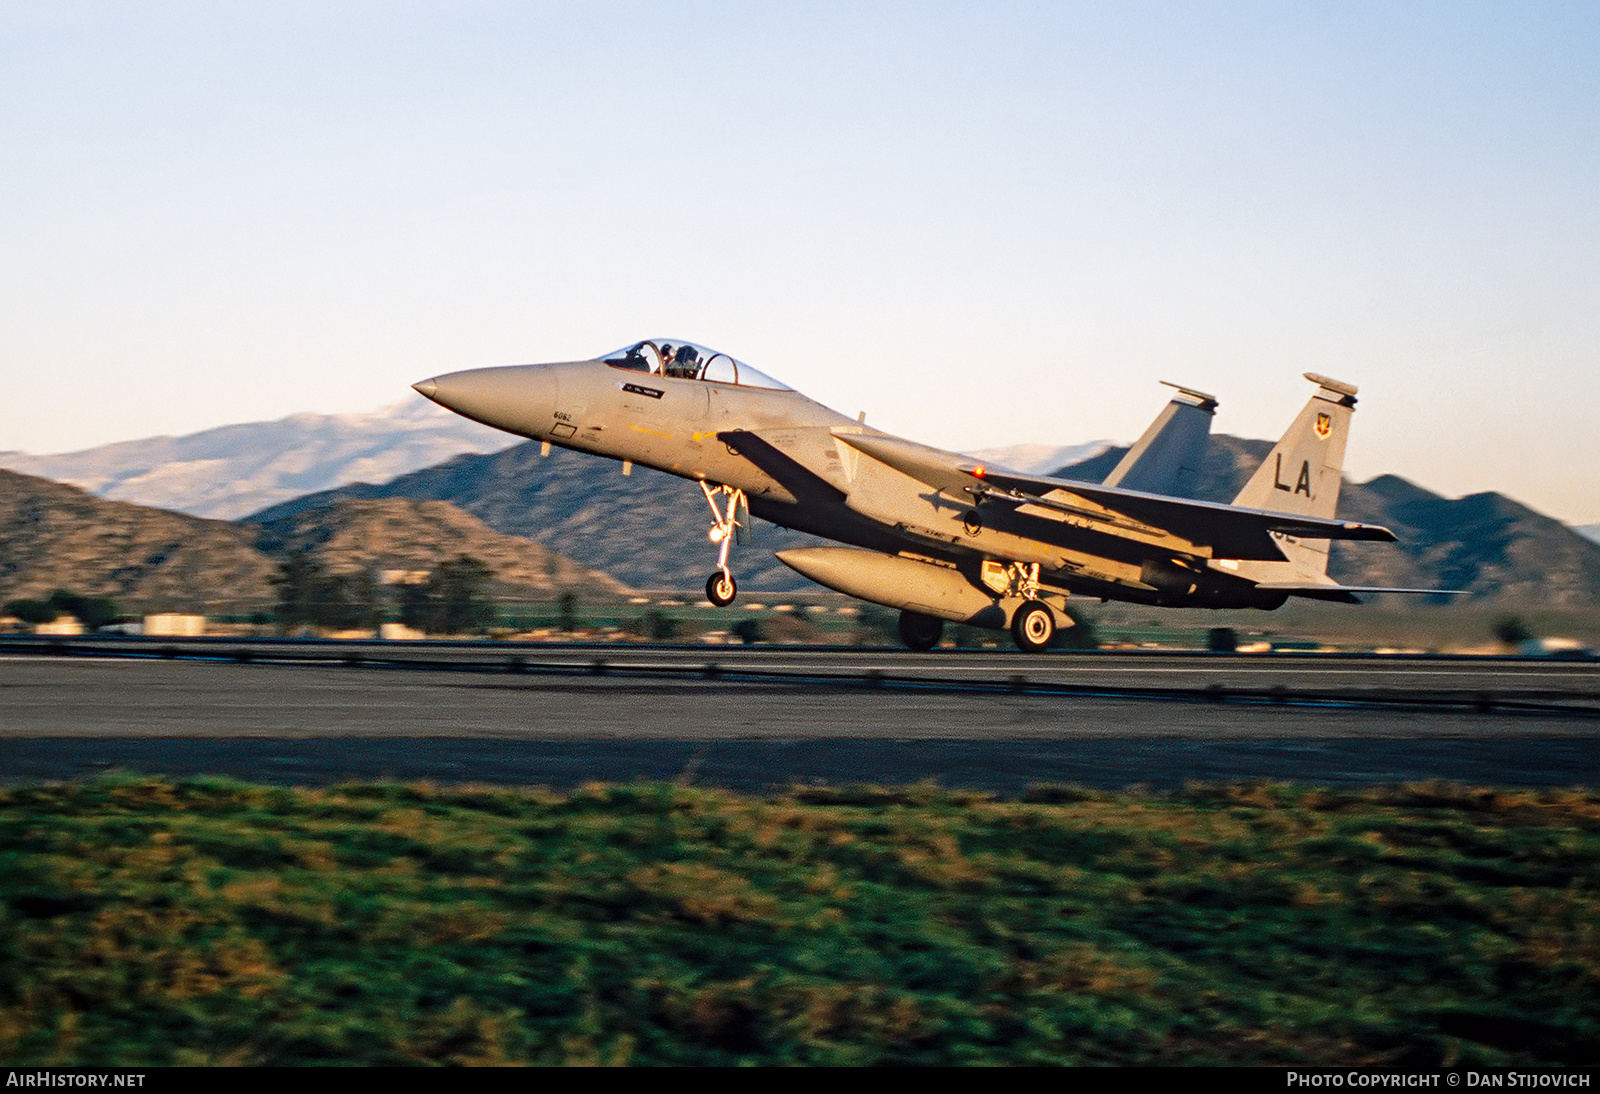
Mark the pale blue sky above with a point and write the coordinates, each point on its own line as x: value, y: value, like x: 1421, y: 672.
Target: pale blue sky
x: 982, y: 224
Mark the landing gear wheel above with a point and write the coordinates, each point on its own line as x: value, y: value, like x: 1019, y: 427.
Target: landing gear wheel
x: 920, y: 632
x: 1033, y: 627
x: 721, y: 589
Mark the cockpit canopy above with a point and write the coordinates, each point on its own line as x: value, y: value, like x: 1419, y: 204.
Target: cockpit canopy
x: 687, y: 361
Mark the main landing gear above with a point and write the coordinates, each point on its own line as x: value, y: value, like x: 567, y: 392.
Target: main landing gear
x: 730, y: 522
x: 1032, y: 627
x: 920, y: 632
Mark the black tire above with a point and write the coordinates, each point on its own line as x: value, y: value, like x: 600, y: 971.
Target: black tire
x: 1033, y: 627
x: 920, y: 632
x: 721, y: 589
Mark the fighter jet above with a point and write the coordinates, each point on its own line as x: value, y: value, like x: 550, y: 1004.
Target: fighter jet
x: 939, y: 535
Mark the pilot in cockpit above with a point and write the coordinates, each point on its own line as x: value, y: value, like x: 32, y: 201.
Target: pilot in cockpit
x: 684, y: 363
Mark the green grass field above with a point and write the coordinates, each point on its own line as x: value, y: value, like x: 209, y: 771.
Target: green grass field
x: 148, y: 921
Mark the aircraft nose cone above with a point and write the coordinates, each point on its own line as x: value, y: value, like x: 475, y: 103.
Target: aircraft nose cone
x: 475, y: 392
x: 517, y: 398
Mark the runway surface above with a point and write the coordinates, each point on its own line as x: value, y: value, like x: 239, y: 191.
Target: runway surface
x: 771, y: 717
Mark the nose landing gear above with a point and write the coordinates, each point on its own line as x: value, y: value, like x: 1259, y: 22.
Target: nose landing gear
x: 721, y: 588
x: 730, y: 522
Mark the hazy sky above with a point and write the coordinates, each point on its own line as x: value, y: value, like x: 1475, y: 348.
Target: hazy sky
x: 982, y: 224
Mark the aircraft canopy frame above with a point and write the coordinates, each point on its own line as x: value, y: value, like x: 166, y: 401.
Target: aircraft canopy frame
x: 689, y: 361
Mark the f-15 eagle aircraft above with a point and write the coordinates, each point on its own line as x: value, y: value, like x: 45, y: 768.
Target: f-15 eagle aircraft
x: 936, y: 534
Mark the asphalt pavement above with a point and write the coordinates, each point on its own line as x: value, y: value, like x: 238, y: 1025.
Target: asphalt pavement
x: 768, y: 718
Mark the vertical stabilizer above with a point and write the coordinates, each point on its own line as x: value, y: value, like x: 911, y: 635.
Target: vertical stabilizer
x: 1166, y: 460
x: 1302, y: 473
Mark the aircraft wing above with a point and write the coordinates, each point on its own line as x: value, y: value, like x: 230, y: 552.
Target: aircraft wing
x: 941, y: 470
x: 1229, y: 531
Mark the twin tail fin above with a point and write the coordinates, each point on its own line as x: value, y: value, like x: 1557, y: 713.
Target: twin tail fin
x: 1303, y: 472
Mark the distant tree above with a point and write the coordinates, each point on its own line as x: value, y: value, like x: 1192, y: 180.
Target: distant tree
x: 660, y: 626
x: 416, y: 610
x: 33, y: 611
x: 351, y: 601
x: 454, y: 599
x: 967, y: 638
x: 1222, y: 640
x: 300, y: 580
x: 309, y: 594
x: 93, y: 612
x: 748, y: 631
x: 568, y: 607
x: 877, y: 626
x: 463, y: 586
x: 1511, y: 630
x: 1082, y: 635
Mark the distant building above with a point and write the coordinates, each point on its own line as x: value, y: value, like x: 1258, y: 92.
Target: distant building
x: 1569, y: 649
x: 173, y: 625
x: 396, y: 632
x: 61, y: 625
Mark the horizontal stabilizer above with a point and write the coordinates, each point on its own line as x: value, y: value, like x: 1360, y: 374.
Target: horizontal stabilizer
x: 1348, y: 594
x: 1232, y: 531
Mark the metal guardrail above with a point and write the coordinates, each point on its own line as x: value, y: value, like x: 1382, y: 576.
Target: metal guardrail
x: 88, y: 643
x: 743, y: 666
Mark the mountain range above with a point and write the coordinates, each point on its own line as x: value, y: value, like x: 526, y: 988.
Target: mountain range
x: 233, y: 470
x: 55, y: 536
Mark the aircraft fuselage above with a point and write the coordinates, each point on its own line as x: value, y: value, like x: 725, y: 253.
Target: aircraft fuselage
x: 935, y: 533
x: 784, y: 452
